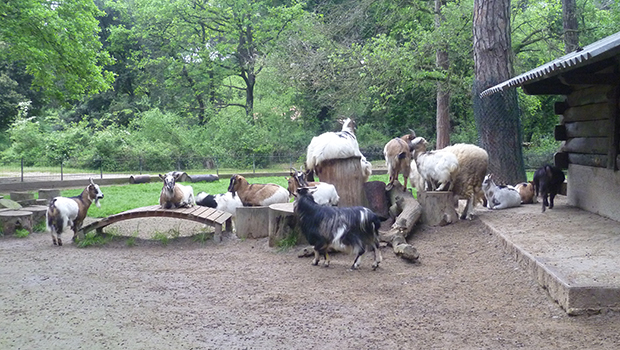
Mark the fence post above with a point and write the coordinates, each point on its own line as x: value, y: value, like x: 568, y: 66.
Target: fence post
x: 140, y: 164
x: 253, y: 163
x: 100, y: 168
x: 22, y: 169
x: 178, y: 164
x: 61, y: 172
x: 217, y: 168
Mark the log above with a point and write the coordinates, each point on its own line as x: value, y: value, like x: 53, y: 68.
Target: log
x: 378, y: 200
x: 252, y: 222
x: 38, y: 213
x: 438, y: 208
x: 590, y: 145
x: 407, y: 211
x: 49, y: 193
x: 205, y: 178
x: 139, y: 179
x: 20, y: 196
x: 346, y: 176
x: 595, y: 111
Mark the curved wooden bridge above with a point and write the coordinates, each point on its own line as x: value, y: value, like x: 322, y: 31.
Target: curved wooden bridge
x: 205, y: 215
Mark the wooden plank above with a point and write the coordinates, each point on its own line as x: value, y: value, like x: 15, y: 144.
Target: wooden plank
x: 594, y: 128
x: 593, y: 160
x: 614, y: 130
x: 591, y: 95
x: 200, y: 210
x: 595, y: 111
x: 589, y: 145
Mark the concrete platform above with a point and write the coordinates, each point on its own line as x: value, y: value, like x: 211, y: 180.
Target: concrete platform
x: 572, y: 253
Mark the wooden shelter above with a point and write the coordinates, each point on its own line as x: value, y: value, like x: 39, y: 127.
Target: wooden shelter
x: 589, y: 78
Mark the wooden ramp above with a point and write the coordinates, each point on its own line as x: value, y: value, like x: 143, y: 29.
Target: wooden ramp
x: 205, y: 215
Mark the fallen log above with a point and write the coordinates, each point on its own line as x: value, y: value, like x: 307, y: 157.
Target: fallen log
x: 407, y: 212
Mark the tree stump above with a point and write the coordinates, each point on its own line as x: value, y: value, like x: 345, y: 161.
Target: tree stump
x: 407, y: 211
x: 438, y: 208
x: 346, y: 176
x: 252, y: 222
x: 48, y: 193
x: 283, y: 223
x: 38, y: 213
x: 23, y: 198
x: 14, y: 219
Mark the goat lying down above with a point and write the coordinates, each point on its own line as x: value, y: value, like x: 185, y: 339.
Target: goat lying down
x: 325, y: 194
x: 257, y: 194
x: 348, y: 229
x: 175, y: 195
x: 500, y: 197
x: 65, y: 212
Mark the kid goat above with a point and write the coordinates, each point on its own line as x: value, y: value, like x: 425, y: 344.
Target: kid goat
x: 257, y: 194
x: 350, y: 229
x: 174, y: 195
x: 70, y: 211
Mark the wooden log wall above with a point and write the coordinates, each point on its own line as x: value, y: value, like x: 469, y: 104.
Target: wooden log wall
x: 589, y: 127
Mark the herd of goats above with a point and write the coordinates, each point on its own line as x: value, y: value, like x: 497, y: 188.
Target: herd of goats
x: 460, y: 168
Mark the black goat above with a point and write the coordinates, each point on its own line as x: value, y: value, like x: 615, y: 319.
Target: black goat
x: 548, y: 181
x: 349, y: 229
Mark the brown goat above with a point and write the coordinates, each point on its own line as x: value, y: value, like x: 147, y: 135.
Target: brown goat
x: 174, y: 195
x: 527, y: 192
x: 397, y: 153
x: 257, y: 194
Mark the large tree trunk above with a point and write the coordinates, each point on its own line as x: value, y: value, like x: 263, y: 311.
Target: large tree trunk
x: 443, y: 93
x: 497, y: 116
x: 569, y: 20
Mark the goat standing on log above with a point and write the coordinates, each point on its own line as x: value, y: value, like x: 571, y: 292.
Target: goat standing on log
x: 174, y: 195
x: 70, y: 211
x: 397, y: 153
x: 350, y: 229
x: 257, y: 194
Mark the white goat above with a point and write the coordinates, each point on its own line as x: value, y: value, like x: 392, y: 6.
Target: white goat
x: 500, y: 197
x: 65, y: 212
x: 175, y: 195
x: 437, y: 168
x: 473, y: 164
x: 336, y: 145
x: 323, y: 193
x: 397, y: 154
x: 257, y: 194
x: 224, y: 202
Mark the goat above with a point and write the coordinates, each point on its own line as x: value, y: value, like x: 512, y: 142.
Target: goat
x: 325, y: 193
x: 70, y: 211
x: 224, y: 202
x: 500, y: 197
x: 397, y: 154
x: 437, y: 168
x: 257, y: 194
x: 175, y: 195
x: 473, y: 164
x: 527, y: 192
x: 350, y: 229
x: 548, y: 182
x: 336, y: 145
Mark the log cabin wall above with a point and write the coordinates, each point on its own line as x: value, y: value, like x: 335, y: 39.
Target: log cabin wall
x: 589, y: 127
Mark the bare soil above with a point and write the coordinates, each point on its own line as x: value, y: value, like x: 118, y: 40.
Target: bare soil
x: 138, y: 293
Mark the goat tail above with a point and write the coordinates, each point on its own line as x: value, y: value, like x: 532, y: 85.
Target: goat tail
x: 53, y: 221
x: 401, y: 155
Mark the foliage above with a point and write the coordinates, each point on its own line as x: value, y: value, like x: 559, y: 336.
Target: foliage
x: 94, y: 239
x: 58, y: 42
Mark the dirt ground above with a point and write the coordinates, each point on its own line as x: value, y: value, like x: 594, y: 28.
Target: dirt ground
x: 464, y: 293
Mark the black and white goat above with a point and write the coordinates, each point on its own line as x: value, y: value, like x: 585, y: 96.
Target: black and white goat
x: 174, y: 195
x: 65, y: 212
x: 348, y: 229
x: 548, y: 182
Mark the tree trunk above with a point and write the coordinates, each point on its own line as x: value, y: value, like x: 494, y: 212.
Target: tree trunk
x: 497, y: 116
x: 569, y: 20
x: 346, y: 176
x: 443, y: 93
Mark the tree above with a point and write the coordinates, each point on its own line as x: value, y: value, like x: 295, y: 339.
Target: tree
x: 57, y: 41
x: 443, y: 93
x: 571, y: 34
x: 497, y: 116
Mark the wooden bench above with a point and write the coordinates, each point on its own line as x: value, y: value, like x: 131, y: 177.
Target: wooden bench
x: 208, y: 216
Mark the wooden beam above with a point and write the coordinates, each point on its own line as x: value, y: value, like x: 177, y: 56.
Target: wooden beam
x: 547, y: 89
x: 595, y: 111
x: 587, y: 145
x: 594, y: 160
x: 561, y: 160
x: 614, y: 131
x: 590, y: 79
x: 591, y: 128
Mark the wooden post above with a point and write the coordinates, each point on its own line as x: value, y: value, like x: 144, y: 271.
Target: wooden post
x: 346, y: 176
x: 283, y: 223
x: 437, y: 208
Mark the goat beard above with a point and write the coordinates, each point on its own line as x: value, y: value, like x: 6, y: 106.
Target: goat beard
x: 97, y: 203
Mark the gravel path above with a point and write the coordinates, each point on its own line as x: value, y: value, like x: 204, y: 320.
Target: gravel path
x: 137, y: 293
